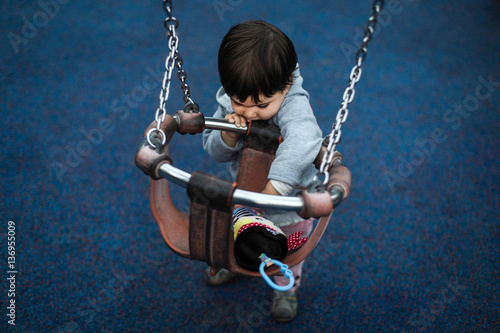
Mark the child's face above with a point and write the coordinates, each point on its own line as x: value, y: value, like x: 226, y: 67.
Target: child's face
x: 264, y: 110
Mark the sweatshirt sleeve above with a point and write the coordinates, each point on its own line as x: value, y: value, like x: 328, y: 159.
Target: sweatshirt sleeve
x: 302, y: 140
x: 215, y: 146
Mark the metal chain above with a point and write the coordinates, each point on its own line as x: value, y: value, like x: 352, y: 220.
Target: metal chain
x: 334, y: 137
x: 173, y: 60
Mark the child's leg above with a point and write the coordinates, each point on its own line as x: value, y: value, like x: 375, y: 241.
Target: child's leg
x: 305, y: 226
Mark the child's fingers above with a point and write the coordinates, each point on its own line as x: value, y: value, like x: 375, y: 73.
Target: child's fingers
x: 239, y: 121
x: 231, y: 118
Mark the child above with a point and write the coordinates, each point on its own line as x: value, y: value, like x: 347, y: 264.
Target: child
x: 261, y: 81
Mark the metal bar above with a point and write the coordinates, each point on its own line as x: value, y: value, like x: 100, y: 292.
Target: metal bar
x: 261, y: 200
x: 223, y: 125
x: 175, y: 175
x: 241, y: 197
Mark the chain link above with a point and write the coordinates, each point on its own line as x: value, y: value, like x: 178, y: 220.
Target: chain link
x: 173, y: 60
x: 333, y: 138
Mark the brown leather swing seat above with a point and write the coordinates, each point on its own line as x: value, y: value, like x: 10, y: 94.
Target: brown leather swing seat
x: 206, y: 233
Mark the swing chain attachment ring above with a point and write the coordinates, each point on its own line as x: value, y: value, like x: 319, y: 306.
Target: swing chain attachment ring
x: 150, y: 137
x: 333, y: 138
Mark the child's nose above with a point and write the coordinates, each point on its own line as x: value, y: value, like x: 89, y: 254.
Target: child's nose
x: 249, y: 114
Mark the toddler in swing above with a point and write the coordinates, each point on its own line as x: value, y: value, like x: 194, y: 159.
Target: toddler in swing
x: 260, y: 80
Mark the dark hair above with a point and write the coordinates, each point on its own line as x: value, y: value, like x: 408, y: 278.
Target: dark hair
x: 256, y: 58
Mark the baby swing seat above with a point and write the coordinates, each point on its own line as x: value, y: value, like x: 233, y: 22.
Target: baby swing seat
x: 206, y: 233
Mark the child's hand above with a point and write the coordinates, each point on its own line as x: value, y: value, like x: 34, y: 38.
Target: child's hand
x: 231, y: 138
x: 239, y: 121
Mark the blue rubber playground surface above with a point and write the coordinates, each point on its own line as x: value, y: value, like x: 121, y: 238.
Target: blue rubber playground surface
x: 415, y: 248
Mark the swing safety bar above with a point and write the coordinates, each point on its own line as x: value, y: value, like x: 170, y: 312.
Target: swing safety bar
x: 249, y: 198
x: 195, y: 122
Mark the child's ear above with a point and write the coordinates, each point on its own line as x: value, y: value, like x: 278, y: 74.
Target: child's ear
x: 287, y: 88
